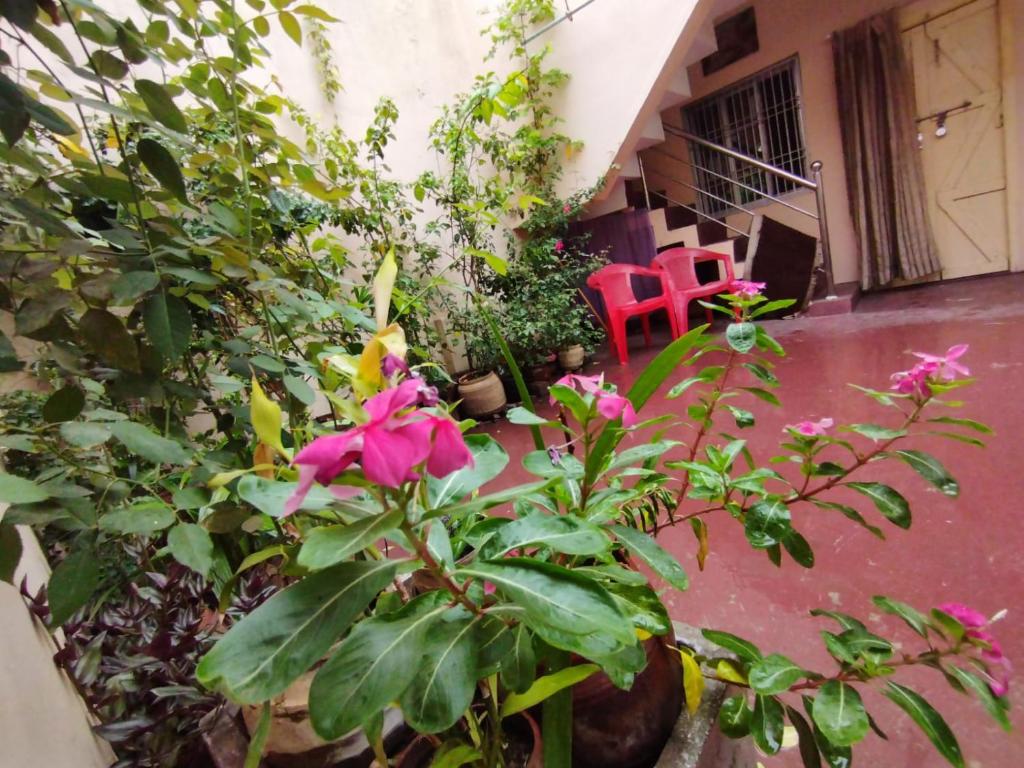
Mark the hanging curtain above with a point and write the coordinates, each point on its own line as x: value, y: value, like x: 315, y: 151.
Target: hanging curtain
x: 884, y: 175
x: 628, y: 238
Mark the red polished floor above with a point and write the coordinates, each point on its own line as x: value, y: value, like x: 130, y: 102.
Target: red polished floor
x: 967, y: 549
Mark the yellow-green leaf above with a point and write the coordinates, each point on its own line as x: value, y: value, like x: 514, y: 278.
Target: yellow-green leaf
x: 291, y: 26
x: 266, y: 419
x: 383, y: 285
x: 693, y: 681
x: 729, y: 670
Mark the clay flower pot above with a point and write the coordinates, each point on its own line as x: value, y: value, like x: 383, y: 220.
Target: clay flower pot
x: 482, y: 394
x: 571, y: 358
x: 613, y: 728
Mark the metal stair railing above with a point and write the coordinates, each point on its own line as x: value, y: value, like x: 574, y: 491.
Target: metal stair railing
x: 816, y: 185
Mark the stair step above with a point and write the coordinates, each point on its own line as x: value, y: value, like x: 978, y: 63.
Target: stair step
x: 676, y: 216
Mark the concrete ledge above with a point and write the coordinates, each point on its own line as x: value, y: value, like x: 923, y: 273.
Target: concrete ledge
x: 847, y: 296
x: 696, y: 742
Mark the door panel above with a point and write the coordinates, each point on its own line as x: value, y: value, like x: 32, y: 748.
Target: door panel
x: 953, y: 49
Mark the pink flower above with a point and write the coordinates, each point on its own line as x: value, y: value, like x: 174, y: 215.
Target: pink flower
x: 392, y: 364
x: 966, y: 615
x: 388, y: 447
x: 566, y: 208
x: 610, y: 404
x: 944, y: 367
x: 746, y: 287
x: 991, y: 650
x: 559, y: 246
x: 811, y: 428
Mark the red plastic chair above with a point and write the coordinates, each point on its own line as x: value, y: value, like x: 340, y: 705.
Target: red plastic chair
x: 679, y: 265
x: 613, y: 283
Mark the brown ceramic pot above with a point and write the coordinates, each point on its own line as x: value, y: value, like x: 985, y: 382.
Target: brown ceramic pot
x: 482, y: 394
x: 613, y: 728
x: 571, y: 358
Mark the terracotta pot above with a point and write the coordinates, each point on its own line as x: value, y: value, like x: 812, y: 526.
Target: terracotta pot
x: 292, y: 742
x: 613, y: 728
x: 481, y: 394
x: 540, y: 377
x: 571, y: 358
x: 521, y: 729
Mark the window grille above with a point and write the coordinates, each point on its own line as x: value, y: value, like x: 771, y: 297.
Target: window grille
x: 760, y: 117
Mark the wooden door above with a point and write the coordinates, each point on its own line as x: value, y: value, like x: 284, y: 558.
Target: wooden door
x: 953, y: 49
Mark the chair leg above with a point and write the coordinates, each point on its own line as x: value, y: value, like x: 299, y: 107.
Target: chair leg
x: 710, y: 315
x: 645, y: 321
x: 618, y: 329
x: 673, y: 322
x: 682, y: 319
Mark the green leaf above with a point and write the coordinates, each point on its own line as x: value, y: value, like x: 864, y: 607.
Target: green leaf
x: 545, y: 686
x: 371, y: 666
x: 928, y: 467
x: 191, y: 545
x: 743, y: 417
x: 560, y: 533
x: 520, y: 415
x: 875, y: 432
x: 799, y: 549
x: 977, y: 426
x: 161, y: 106
x: 766, y: 724
x: 71, y: 585
x: 265, y: 416
x: 519, y: 666
x: 9, y: 361
x: 995, y: 707
x: 889, y: 502
x: 21, y: 13
x: 767, y: 523
x: 774, y: 674
x: 131, y: 285
x: 763, y: 374
x: 657, y: 558
x: 840, y: 714
x: 168, y: 325
x: 744, y: 649
x: 928, y: 720
x: 258, y: 742
x: 835, y: 755
x: 741, y: 336
x: 808, y: 745
x: 106, y: 336
x: 161, y: 163
x: 555, y: 596
x: 762, y: 394
x: 63, y: 405
x: 734, y: 717
x: 270, y: 496
x: 18, y: 490
x: 291, y: 27
x: 454, y: 754
x: 149, y: 445
x: 107, y: 64
x: 851, y: 514
x: 445, y: 679
x: 643, y: 607
x: 916, y: 620
x: 326, y: 545
x: 300, y: 390
x: 489, y: 459
x: 145, y: 517
x: 10, y: 552
x: 772, y: 306
x: 84, y: 435
x: 642, y: 453
x: 267, y: 650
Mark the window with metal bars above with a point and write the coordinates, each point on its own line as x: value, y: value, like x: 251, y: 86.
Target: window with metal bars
x: 760, y: 117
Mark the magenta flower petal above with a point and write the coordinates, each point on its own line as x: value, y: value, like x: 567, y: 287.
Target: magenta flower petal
x: 389, y: 455
x: 307, y: 476
x: 449, y: 451
x: 966, y: 615
x: 389, y: 402
x: 330, y: 455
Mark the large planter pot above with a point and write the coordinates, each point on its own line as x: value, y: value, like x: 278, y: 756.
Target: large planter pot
x: 292, y: 742
x: 613, y: 728
x: 482, y: 394
x: 571, y: 358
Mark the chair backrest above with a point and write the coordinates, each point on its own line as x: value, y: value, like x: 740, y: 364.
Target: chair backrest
x: 680, y: 263
x: 614, y: 283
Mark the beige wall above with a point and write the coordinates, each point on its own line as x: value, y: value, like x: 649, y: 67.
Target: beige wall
x: 43, y: 722
x: 802, y: 27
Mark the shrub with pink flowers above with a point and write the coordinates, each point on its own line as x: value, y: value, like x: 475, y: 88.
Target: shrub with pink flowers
x: 507, y: 582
